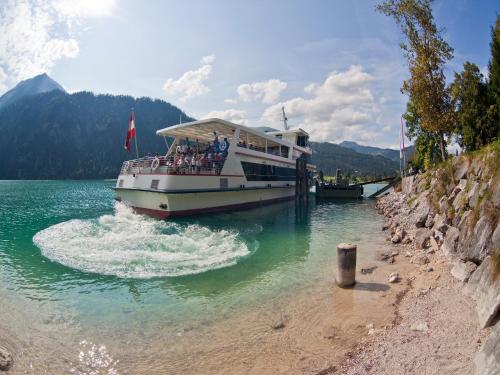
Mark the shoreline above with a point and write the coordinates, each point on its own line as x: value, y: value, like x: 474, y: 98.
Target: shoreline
x: 446, y: 320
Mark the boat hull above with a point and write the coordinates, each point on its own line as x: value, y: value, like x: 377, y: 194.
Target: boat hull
x: 339, y: 192
x: 166, y: 205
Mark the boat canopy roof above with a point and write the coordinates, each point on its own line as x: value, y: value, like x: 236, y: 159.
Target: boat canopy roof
x: 203, y: 130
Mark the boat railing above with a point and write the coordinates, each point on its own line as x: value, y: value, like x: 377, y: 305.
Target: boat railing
x: 174, y: 164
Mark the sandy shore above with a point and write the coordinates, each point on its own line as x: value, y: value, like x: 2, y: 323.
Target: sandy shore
x: 435, y: 329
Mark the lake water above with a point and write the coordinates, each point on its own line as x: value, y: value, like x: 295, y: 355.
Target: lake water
x: 89, y: 286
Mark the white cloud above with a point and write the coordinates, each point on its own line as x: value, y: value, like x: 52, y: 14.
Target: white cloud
x: 230, y: 101
x: 232, y: 115
x: 85, y: 8
x: 3, y: 78
x: 209, y: 59
x: 341, y: 108
x: 267, y: 92
x: 35, y: 34
x: 191, y: 83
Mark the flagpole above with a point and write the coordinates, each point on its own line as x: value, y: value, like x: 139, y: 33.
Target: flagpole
x: 135, y: 138
x: 403, y: 143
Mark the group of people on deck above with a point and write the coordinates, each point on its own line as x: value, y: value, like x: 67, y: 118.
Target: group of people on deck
x: 198, y: 158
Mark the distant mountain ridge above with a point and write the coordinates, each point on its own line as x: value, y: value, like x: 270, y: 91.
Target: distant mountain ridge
x: 388, y: 153
x: 329, y: 156
x: 56, y: 135
x: 36, y: 85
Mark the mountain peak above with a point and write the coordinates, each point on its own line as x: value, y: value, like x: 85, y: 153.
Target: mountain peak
x: 32, y: 86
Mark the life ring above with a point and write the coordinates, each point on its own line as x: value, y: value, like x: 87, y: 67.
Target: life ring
x: 155, y: 164
x: 223, y: 146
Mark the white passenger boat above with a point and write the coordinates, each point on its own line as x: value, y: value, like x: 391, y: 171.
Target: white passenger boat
x: 214, y: 165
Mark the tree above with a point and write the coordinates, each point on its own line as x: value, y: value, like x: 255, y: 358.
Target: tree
x: 494, y: 64
x: 427, y: 150
x: 426, y: 52
x: 476, y: 112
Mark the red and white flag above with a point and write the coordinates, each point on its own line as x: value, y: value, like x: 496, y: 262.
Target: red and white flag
x: 131, y: 131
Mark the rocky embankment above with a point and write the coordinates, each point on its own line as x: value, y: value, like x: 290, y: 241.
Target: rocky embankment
x: 454, y: 211
x: 445, y: 225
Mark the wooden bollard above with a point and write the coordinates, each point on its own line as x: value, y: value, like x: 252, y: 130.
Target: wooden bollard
x: 346, y: 265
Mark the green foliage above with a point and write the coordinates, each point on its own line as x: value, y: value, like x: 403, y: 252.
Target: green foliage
x: 426, y: 52
x: 494, y: 64
x: 476, y: 113
x: 411, y: 200
x: 426, y: 143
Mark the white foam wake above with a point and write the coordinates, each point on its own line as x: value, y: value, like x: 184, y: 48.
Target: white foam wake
x: 130, y: 245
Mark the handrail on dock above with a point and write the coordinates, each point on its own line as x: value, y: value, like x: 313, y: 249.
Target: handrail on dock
x: 375, y: 181
x: 394, y: 181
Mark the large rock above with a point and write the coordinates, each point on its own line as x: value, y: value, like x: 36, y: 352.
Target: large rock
x: 495, y: 237
x: 438, y: 236
x: 420, y: 259
x: 476, y: 245
x: 461, y: 165
x: 495, y: 197
x: 429, y: 222
x: 473, y: 194
x: 396, y: 238
x: 6, y: 360
x: 434, y: 244
x: 450, y: 242
x: 421, y: 211
x: 440, y: 223
x: 485, y: 290
x: 407, y: 184
x: 460, y: 202
x: 463, y: 270
x: 476, y: 167
x: 422, y: 237
x: 443, y: 205
x: 460, y: 187
x: 487, y: 360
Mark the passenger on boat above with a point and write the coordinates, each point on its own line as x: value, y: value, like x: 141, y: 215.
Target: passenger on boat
x: 179, y: 164
x: 224, y: 147
x: 218, y: 163
x: 193, y: 163
x: 187, y: 160
x: 198, y: 163
x: 216, y: 142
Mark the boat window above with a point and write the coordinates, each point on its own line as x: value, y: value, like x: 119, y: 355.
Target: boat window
x: 265, y: 172
x: 154, y: 184
x: 284, y: 151
x: 302, y: 140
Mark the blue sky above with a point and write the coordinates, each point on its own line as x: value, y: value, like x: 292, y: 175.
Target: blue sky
x: 336, y: 66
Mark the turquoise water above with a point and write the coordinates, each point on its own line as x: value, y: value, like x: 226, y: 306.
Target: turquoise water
x: 69, y: 252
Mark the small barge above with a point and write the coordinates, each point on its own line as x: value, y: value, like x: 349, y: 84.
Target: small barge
x: 339, y: 189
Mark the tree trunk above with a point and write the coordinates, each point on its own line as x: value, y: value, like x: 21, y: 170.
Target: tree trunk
x: 442, y: 146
